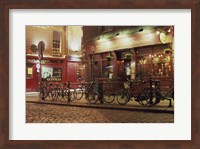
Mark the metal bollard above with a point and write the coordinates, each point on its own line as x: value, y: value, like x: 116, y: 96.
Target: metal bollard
x: 68, y: 85
x: 100, y: 91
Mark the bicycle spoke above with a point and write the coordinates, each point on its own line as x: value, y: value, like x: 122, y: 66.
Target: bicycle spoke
x: 92, y: 97
x: 122, y: 97
x: 108, y: 97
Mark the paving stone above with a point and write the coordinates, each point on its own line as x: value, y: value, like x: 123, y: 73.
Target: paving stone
x: 40, y: 113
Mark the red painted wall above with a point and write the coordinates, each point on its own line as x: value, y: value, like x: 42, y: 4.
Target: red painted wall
x: 32, y: 83
x: 72, y: 72
x: 69, y: 73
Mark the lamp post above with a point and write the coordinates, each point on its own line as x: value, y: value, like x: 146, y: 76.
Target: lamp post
x: 41, y: 47
x: 93, y: 66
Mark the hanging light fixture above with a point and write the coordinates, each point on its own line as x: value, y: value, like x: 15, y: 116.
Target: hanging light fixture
x: 141, y: 29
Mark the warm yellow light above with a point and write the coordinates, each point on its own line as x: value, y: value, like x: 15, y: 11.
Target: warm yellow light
x: 157, y: 32
x: 75, y: 34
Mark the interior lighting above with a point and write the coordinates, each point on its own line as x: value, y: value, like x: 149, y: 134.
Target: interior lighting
x: 157, y: 32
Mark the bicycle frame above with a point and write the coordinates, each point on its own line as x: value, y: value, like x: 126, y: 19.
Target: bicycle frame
x: 151, y: 95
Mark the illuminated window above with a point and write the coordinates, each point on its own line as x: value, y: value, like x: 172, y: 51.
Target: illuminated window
x: 153, y: 61
x: 56, y: 43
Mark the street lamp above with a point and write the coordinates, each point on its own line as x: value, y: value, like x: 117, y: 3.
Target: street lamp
x: 41, y: 47
x: 93, y: 66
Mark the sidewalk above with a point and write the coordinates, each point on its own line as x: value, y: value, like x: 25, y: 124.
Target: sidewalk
x: 162, y: 107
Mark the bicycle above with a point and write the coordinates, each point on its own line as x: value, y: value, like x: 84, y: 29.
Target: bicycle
x: 151, y: 95
x: 55, y: 92
x: 79, y: 92
x: 96, y: 93
x: 47, y: 90
x: 63, y: 92
x: 131, y: 90
x: 109, y: 93
x: 91, y: 93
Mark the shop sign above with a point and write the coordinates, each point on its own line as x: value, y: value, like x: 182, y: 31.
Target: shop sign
x: 36, y: 61
x: 32, y: 60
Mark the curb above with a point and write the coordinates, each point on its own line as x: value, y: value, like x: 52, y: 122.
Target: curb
x: 113, y: 107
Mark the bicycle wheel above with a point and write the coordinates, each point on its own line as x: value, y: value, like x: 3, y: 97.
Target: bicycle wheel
x: 78, y: 93
x: 92, y: 97
x: 66, y: 95
x: 148, y: 97
x: 142, y: 97
x: 53, y: 94
x: 122, y: 97
x: 50, y: 94
x: 59, y: 94
x: 108, y: 97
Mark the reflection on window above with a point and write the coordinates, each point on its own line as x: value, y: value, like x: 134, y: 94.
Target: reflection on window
x: 107, y: 66
x: 155, y: 63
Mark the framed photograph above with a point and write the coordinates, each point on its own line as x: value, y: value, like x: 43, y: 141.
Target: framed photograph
x: 136, y: 39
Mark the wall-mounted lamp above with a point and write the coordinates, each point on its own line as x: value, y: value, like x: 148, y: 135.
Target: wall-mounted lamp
x: 117, y: 34
x: 157, y: 32
x: 140, y: 30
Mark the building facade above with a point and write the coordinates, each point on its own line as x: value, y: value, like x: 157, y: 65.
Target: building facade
x: 134, y: 52
x: 61, y: 60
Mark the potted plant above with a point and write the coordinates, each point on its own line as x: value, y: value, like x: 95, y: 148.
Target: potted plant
x: 167, y: 50
x: 128, y: 56
x: 109, y: 57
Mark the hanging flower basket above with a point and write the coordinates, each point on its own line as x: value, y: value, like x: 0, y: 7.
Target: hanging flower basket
x: 167, y: 51
x: 109, y: 58
x: 128, y: 56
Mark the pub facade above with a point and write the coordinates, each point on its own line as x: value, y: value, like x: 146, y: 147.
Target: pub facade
x: 132, y: 52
